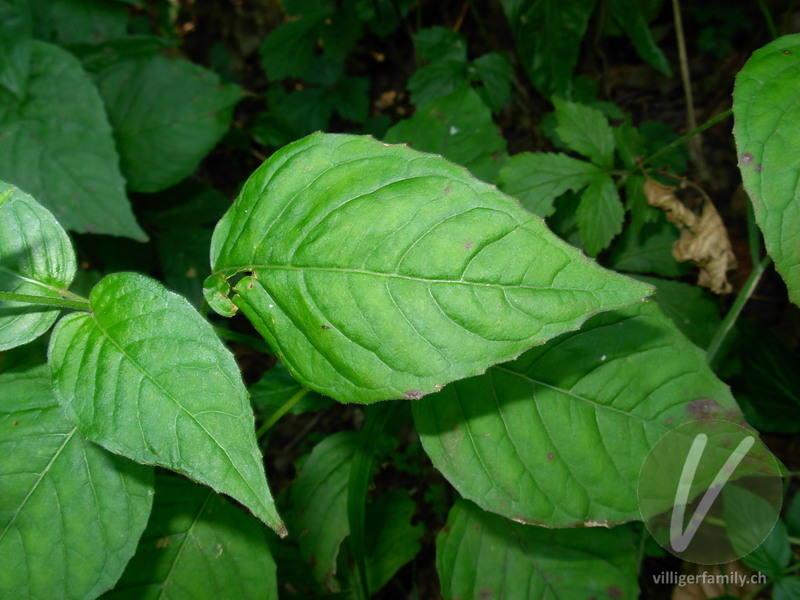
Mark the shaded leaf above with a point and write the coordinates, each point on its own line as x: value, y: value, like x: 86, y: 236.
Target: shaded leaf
x: 480, y: 555
x: 277, y: 388
x: 145, y: 376
x: 600, y: 214
x: 438, y: 44
x: 436, y: 80
x: 288, y: 50
x: 79, y: 21
x: 767, y: 127
x: 648, y: 250
x: 558, y: 437
x: 630, y: 16
x: 16, y: 28
x: 586, y: 131
x: 379, y: 272
x: 198, y: 543
x: 70, y: 513
x: 496, y: 74
x: 57, y: 145
x: 36, y: 257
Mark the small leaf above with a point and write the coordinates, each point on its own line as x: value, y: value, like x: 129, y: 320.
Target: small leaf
x: 436, y: 80
x: 145, y: 376
x: 558, y: 437
x: 57, y: 145
x: 538, y: 179
x: 167, y: 114
x: 480, y: 555
x: 197, y: 543
x: 600, y: 214
x: 15, y: 46
x: 496, y: 74
x: 648, y: 250
x: 439, y: 44
x: 277, y: 388
x: 460, y: 128
x: 630, y: 16
x: 288, y: 50
x: 36, y: 258
x: 379, y: 272
x: 766, y: 127
x: 70, y: 513
x: 586, y: 131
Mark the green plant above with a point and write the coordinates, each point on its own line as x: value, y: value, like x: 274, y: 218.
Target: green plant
x: 402, y: 282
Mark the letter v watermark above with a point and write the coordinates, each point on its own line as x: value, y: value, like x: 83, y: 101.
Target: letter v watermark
x: 678, y: 538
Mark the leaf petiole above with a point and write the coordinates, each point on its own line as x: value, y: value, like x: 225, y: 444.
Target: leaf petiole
x: 74, y: 301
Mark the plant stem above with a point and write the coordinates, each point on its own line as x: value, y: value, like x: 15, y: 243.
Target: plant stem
x: 773, y: 31
x: 75, y: 302
x: 713, y: 352
x: 684, y: 138
x: 241, y: 338
x: 284, y: 408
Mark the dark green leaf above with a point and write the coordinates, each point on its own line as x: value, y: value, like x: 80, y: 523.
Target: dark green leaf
x: 36, y: 258
x: 277, y: 388
x: 145, y: 376
x: 586, y: 131
x: 786, y: 588
x: 630, y: 16
x: 57, y: 146
x: 79, y: 21
x: 480, y: 555
x: 16, y: 29
x: 198, y: 544
x: 288, y: 50
x: 439, y: 44
x: 183, y: 256
x: 380, y: 272
x: 600, y: 214
x: 70, y: 513
x: 648, y: 250
x: 437, y: 80
x: 538, y: 179
x: 340, y: 33
x: 496, y: 73
x: 558, y: 436
x: 350, y: 99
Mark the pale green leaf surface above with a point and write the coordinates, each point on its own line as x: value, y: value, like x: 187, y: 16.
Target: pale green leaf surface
x: 167, y: 114
x: 558, y: 437
x: 767, y: 132
x: 380, y: 272
x: 318, y: 500
x: 600, y: 214
x: 538, y: 179
x: 480, y: 555
x: 36, y: 258
x: 15, y: 46
x: 630, y: 16
x: 198, y: 545
x: 458, y: 126
x: 57, y: 145
x: 586, y: 131
x: 71, y: 514
x: 143, y: 375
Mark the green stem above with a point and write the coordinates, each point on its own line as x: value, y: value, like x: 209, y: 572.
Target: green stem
x: 773, y: 31
x: 684, y: 138
x: 713, y: 352
x: 75, y: 303
x: 282, y: 410
x: 241, y: 338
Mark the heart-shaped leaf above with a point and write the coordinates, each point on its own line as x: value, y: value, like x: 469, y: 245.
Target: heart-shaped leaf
x: 559, y: 436
x: 36, y: 258
x: 70, y: 513
x: 377, y: 272
x: 767, y: 131
x: 144, y: 375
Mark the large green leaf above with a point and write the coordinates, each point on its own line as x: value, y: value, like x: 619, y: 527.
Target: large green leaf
x: 377, y: 272
x: 558, y: 437
x: 36, y: 258
x: 70, y: 513
x: 480, y: 555
x: 538, y: 179
x: 15, y: 46
x: 145, y: 376
x: 57, y: 145
x: 767, y: 131
x: 548, y: 34
x: 198, y: 545
x: 167, y: 114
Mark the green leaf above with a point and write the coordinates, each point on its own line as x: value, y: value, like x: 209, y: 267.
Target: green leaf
x: 437, y: 80
x: 57, y: 145
x: 586, y: 131
x: 341, y: 31
x: 79, y: 21
x: 548, y: 34
x: 538, y: 179
x: 145, y: 376
x: 439, y: 44
x: 649, y: 250
x: 767, y: 131
x: 288, y: 50
x: 36, y: 258
x: 318, y: 500
x: 630, y: 16
x: 277, y: 388
x: 496, y: 74
x: 16, y: 28
x: 70, y: 513
x: 600, y: 214
x: 558, y: 437
x: 167, y: 114
x: 196, y: 544
x: 460, y: 128
x: 793, y: 516
x: 786, y: 588
x: 350, y: 98
x: 480, y: 555
x: 379, y: 272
